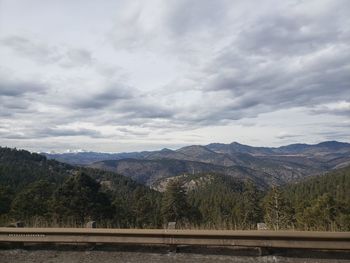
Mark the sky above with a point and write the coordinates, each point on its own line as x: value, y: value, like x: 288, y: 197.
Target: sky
x: 117, y: 75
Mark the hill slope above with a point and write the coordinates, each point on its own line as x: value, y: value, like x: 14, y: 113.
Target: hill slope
x: 149, y: 171
x: 267, y: 165
x: 35, y: 189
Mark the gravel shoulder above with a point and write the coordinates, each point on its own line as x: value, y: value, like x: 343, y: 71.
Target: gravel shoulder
x: 143, y: 255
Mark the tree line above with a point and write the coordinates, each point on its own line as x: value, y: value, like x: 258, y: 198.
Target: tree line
x: 47, y: 193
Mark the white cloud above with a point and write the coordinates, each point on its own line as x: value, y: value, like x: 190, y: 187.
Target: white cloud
x: 143, y: 74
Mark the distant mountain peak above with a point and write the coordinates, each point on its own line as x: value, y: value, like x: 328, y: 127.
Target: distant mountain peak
x: 236, y: 143
x: 74, y: 151
x: 195, y: 149
x: 332, y: 143
x: 166, y: 150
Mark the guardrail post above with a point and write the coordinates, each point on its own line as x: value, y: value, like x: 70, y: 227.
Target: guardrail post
x: 91, y: 224
x: 171, y: 225
x: 172, y: 247
x: 262, y: 226
x: 19, y: 224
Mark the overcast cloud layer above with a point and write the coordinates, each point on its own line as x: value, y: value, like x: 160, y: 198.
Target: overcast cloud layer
x: 138, y: 75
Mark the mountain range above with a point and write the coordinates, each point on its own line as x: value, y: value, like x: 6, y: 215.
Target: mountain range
x: 43, y: 192
x: 264, y: 165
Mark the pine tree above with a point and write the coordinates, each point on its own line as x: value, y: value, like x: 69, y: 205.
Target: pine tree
x: 145, y: 208
x: 6, y: 196
x: 278, y: 212
x: 321, y: 214
x: 80, y: 199
x: 174, y: 203
x: 252, y: 213
x: 33, y: 201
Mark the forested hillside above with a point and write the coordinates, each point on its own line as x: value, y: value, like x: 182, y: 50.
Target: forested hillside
x: 150, y: 171
x: 18, y: 168
x: 43, y: 192
x: 224, y: 202
x: 322, y: 202
x: 319, y: 203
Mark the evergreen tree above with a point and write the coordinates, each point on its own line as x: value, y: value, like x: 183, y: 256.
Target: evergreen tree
x: 321, y: 214
x: 252, y: 213
x: 6, y: 196
x: 174, y: 203
x: 80, y: 199
x: 33, y: 201
x: 122, y: 216
x: 278, y: 212
x: 145, y: 208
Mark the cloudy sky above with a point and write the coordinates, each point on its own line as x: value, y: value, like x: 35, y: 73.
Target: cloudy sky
x: 119, y: 75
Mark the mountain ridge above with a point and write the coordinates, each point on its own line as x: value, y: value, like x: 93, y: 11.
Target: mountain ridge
x: 265, y: 165
x: 238, y: 147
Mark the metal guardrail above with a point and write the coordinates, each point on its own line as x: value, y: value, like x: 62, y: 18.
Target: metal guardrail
x: 263, y: 239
